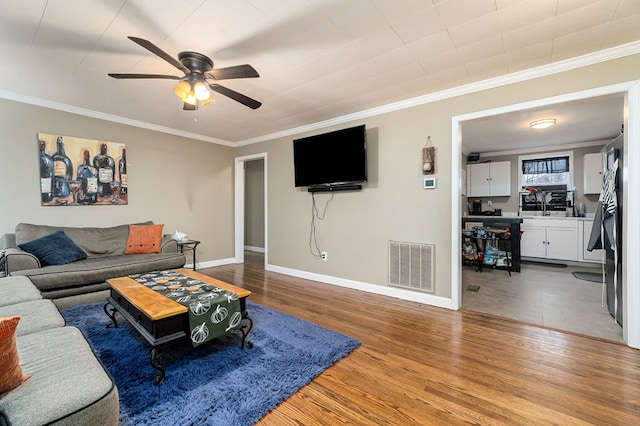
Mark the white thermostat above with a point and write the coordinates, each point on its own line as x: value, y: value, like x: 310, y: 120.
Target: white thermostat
x: 429, y: 183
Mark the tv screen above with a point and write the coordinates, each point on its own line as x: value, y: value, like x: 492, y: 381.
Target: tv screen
x: 333, y: 158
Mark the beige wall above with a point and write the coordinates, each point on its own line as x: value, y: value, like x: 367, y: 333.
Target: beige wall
x: 393, y: 205
x: 183, y: 183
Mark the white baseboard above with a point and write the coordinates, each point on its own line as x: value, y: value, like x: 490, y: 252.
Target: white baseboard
x: 398, y: 293
x: 212, y: 263
x: 256, y: 249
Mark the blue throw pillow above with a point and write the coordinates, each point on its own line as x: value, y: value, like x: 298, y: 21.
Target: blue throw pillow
x: 54, y: 249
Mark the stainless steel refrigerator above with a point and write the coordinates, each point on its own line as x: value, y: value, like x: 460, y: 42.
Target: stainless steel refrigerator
x: 607, y: 224
x: 613, y: 268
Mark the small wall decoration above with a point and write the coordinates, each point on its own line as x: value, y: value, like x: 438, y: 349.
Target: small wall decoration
x: 428, y: 158
x: 82, y: 172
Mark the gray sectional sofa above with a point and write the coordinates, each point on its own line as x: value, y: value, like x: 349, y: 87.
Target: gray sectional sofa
x: 83, y: 281
x: 68, y: 385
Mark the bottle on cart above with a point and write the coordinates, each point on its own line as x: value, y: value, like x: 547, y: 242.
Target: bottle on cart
x: 88, y: 176
x: 62, y: 170
x: 46, y: 173
x: 122, y: 169
x: 106, y: 171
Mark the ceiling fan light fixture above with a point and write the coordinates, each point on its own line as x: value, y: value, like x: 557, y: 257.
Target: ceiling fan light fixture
x: 182, y: 89
x: 201, y: 92
x: 207, y: 101
x: 542, y: 124
x: 191, y: 98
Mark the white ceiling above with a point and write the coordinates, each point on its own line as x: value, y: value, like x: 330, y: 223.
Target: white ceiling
x: 318, y: 59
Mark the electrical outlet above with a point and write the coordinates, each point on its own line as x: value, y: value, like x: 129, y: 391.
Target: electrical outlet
x: 323, y: 256
x: 490, y: 203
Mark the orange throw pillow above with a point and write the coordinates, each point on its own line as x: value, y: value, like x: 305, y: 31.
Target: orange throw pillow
x: 144, y: 239
x: 10, y: 371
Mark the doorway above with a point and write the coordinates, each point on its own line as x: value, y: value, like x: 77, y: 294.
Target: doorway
x: 631, y: 288
x: 250, y: 205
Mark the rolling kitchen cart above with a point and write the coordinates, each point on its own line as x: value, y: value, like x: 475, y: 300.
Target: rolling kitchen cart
x: 487, y: 247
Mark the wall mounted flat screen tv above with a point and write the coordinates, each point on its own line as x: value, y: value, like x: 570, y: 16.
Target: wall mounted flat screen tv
x: 334, y: 160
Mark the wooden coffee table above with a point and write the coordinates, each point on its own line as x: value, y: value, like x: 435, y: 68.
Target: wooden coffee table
x: 159, y: 319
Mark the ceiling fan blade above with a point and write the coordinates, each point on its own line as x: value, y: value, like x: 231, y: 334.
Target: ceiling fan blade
x: 245, y: 100
x: 238, y: 71
x: 189, y: 107
x: 159, y: 52
x: 167, y: 77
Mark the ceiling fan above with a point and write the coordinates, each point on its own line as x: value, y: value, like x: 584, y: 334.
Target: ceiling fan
x: 197, y: 69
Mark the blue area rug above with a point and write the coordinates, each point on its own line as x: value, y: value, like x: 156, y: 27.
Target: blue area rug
x: 217, y: 383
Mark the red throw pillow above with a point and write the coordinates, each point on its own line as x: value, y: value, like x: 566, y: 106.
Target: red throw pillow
x: 11, y: 375
x: 144, y: 239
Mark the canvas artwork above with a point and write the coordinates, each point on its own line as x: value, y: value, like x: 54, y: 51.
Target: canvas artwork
x: 82, y: 172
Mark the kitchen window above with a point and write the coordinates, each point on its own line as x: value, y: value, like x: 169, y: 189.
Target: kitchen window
x: 546, y: 169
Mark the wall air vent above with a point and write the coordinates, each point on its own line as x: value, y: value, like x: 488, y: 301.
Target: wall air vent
x: 412, y: 266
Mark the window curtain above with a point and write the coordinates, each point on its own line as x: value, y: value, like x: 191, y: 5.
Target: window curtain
x: 545, y: 165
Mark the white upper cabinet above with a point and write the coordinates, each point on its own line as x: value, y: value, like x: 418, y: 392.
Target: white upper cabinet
x: 593, y: 167
x: 489, y: 179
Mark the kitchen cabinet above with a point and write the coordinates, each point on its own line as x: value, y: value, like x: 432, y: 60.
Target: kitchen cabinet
x: 584, y: 231
x: 489, y: 179
x: 593, y: 167
x: 550, y: 239
x: 533, y: 240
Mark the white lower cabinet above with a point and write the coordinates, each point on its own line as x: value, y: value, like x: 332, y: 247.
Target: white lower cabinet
x: 550, y: 239
x: 533, y: 241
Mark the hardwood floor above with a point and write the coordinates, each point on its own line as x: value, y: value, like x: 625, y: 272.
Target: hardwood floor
x: 421, y: 365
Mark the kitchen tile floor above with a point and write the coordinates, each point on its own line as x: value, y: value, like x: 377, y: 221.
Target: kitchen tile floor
x: 544, y: 295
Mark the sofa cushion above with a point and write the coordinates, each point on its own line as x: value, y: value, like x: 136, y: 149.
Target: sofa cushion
x: 54, y: 249
x: 144, y: 239
x: 11, y: 375
x: 95, y: 242
x: 68, y: 385
x: 17, y: 290
x: 35, y: 315
x: 98, y: 270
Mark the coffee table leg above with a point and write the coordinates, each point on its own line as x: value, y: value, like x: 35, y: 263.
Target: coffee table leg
x: 157, y: 363
x: 245, y: 329
x: 111, y: 313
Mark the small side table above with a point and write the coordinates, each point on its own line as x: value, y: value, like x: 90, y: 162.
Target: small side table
x: 189, y: 245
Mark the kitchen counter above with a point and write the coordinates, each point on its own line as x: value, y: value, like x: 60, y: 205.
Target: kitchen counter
x: 493, y: 219
x: 505, y: 219
x: 590, y: 217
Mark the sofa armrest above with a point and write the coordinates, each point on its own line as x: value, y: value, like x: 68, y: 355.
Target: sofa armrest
x: 8, y: 241
x: 18, y: 260
x: 168, y: 245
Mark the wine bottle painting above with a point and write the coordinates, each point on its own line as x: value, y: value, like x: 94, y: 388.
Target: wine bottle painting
x: 82, y: 172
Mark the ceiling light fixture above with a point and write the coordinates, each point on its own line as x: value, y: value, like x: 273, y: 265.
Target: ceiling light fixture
x: 542, y: 124
x: 193, y: 93
x: 201, y: 92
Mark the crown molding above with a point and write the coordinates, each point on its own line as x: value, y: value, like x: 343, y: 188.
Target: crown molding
x: 516, y: 77
x: 108, y: 117
x: 492, y: 83
x: 553, y: 148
